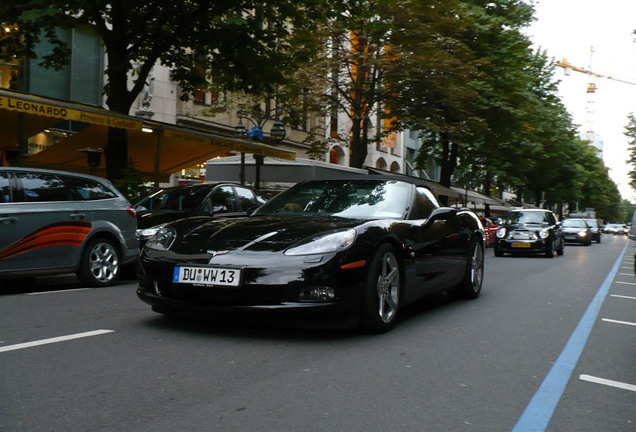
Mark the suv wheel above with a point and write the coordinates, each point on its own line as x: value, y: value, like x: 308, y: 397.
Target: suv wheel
x: 100, y: 264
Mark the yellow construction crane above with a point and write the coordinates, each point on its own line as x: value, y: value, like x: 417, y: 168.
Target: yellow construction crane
x: 567, y: 66
x: 590, y: 90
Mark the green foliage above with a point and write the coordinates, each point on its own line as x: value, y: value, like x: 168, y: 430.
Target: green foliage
x: 131, y: 184
x: 630, y: 132
x: 252, y: 46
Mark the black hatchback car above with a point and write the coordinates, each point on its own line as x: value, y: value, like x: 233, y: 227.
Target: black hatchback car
x: 530, y: 231
x: 204, y: 199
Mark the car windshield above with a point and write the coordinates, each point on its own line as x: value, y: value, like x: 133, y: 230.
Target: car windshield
x: 356, y: 199
x: 576, y: 223
x: 592, y: 223
x: 175, y: 199
x: 534, y: 217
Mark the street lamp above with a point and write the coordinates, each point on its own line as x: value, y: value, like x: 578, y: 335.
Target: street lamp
x: 258, y: 117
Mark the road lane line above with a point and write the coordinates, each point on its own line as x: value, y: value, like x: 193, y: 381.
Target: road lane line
x: 623, y: 296
x: 54, y: 340
x: 607, y: 382
x: 625, y: 274
x: 59, y: 291
x: 619, y: 322
x: 625, y: 283
x: 539, y: 411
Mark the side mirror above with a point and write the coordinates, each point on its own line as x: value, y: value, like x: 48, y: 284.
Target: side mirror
x: 218, y: 209
x: 441, y: 213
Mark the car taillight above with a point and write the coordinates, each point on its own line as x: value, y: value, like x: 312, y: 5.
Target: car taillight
x: 132, y: 212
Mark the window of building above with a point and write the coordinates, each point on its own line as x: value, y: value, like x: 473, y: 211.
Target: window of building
x: 81, y: 80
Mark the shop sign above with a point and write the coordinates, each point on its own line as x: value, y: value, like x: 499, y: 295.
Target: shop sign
x: 61, y: 112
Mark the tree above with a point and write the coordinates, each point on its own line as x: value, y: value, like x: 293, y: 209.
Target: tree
x: 354, y: 59
x: 630, y: 133
x: 436, y: 83
x: 240, y: 44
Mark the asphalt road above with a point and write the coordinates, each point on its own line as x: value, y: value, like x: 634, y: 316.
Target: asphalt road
x: 549, y: 345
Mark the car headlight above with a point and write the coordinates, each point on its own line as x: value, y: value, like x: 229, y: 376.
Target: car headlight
x: 163, y: 239
x: 501, y: 233
x: 146, y: 233
x: 544, y: 233
x: 334, y: 242
x: 582, y: 233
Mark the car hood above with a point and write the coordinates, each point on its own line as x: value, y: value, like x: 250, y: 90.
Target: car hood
x: 529, y: 227
x: 254, y: 234
x: 147, y: 219
x: 573, y: 229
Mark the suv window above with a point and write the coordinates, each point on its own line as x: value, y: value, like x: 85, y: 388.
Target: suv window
x: 222, y: 196
x: 86, y: 189
x: 246, y: 198
x: 5, y: 188
x: 38, y: 187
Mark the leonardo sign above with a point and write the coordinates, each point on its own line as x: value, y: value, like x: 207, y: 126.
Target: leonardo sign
x: 62, y: 112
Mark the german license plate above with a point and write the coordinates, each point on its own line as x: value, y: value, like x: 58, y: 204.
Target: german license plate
x: 212, y: 276
x: 521, y: 245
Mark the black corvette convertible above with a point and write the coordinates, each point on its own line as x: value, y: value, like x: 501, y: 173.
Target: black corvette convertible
x: 350, y: 248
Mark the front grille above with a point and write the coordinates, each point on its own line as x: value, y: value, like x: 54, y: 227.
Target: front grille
x: 223, y: 296
x: 522, y: 235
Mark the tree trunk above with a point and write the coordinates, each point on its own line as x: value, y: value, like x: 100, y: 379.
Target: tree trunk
x: 358, y: 146
x: 449, y: 161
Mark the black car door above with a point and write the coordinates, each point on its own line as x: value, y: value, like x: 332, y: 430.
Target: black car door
x: 433, y: 243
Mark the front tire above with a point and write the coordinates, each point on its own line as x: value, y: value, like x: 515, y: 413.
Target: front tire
x: 382, y: 291
x: 549, y: 252
x: 100, y: 264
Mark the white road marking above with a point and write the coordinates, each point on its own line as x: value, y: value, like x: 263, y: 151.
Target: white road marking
x: 54, y: 340
x: 58, y: 291
x: 625, y: 283
x: 619, y: 322
x: 622, y: 296
x: 617, y: 384
x: 626, y: 274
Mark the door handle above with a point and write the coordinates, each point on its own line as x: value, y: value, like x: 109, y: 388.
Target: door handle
x: 8, y: 220
x: 78, y: 215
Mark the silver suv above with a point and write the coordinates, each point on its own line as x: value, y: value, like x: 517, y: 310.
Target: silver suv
x: 55, y: 222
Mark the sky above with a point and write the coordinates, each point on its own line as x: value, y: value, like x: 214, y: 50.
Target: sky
x: 598, y: 36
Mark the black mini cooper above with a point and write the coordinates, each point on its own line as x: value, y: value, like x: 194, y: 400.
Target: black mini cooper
x: 530, y: 231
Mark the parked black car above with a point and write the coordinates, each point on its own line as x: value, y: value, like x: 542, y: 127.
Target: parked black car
x: 577, y: 231
x: 203, y: 199
x: 358, y: 249
x: 530, y: 231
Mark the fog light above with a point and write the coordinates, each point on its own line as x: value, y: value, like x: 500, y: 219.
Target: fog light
x: 317, y: 294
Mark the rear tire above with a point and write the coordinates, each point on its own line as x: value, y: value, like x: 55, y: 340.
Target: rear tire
x: 470, y: 286
x: 382, y: 291
x: 100, y: 264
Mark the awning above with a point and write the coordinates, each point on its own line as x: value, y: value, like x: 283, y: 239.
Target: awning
x: 157, y: 149
x: 470, y: 195
x: 437, y: 188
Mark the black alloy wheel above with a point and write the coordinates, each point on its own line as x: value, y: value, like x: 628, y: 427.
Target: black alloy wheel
x: 470, y: 286
x: 382, y: 292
